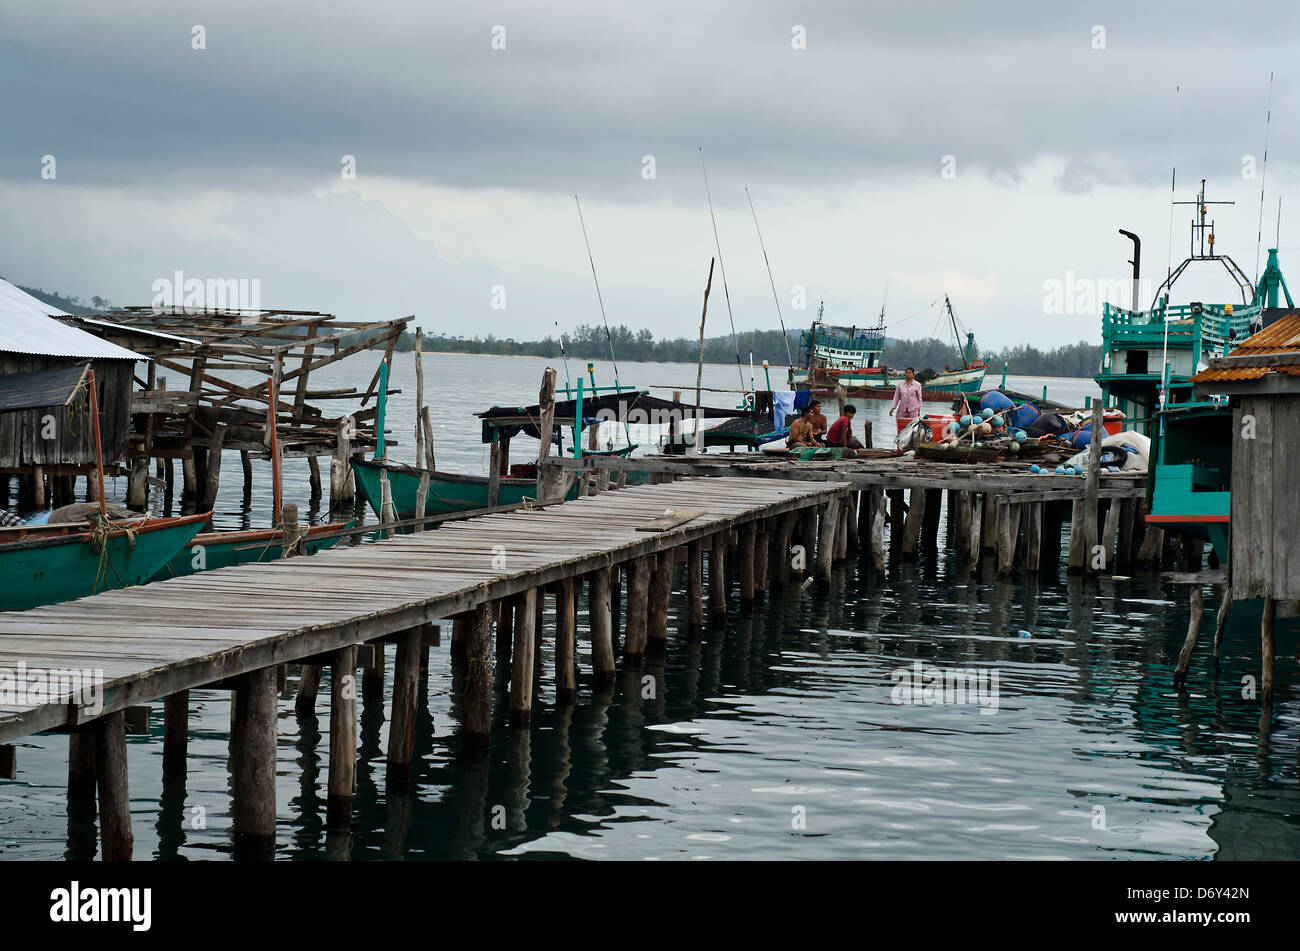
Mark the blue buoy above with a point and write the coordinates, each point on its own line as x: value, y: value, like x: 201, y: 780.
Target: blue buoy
x: 996, y: 421
x: 965, y: 421
x: 1060, y: 470
x: 986, y: 413
x: 1021, y: 435
x: 1035, y: 469
x: 1025, y: 634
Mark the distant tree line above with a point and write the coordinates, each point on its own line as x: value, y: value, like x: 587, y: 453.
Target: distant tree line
x: 589, y: 342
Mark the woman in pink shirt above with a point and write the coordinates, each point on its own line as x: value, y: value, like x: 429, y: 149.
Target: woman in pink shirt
x: 907, y: 396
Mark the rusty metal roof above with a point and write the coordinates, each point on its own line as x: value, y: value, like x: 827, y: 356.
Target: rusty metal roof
x: 1282, y: 336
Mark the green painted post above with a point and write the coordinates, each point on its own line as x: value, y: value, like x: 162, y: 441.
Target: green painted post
x: 1004, y: 376
x: 1044, y: 392
x: 577, y: 423
x: 380, y: 407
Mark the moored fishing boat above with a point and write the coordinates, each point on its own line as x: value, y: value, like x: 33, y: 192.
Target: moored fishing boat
x: 53, y: 563
x: 208, y: 550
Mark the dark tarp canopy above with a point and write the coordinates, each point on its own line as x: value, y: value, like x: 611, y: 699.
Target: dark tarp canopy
x: 48, y: 388
x: 631, y: 406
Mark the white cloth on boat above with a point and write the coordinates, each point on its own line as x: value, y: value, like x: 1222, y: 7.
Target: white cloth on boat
x: 782, y: 406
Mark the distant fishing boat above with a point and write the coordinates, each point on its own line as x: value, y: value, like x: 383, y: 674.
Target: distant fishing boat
x: 209, y: 550
x: 852, y: 358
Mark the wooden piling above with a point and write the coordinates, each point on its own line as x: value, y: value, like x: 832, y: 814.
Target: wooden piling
x: 897, y: 518
x: 638, y: 591
x: 695, y: 587
x: 476, y: 719
x: 521, y: 658
x: 1267, y: 650
x: 878, y: 529
x: 912, y: 526
x: 82, y: 775
x: 929, y: 540
x: 807, y: 539
x: 977, y: 503
x: 1189, y: 645
x: 1123, y: 563
x: 116, y: 838
x: 252, y: 756
x: 401, y: 728
x: 1078, y: 535
x: 566, y: 682
x: 779, y: 557
x: 745, y: 566
x: 372, y: 675
x: 1008, y: 535
x: 308, y: 687
x: 343, y: 738
x: 245, y: 463
x: 830, y: 522
x: 602, y: 645
x: 659, y: 597
x: 1033, y: 536
x: 863, y: 534
x: 761, y: 551
x: 717, y: 582
x: 176, y: 730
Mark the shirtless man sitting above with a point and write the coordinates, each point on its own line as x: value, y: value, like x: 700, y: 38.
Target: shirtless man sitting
x: 802, y: 435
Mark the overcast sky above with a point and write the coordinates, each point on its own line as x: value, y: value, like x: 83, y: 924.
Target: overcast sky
x: 928, y: 147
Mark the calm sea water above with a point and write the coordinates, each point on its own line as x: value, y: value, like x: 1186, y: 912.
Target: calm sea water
x: 780, y: 737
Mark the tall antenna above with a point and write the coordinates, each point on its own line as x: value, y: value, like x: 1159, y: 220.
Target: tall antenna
x: 1277, y: 238
x: 1263, y: 175
x: 568, y: 384
x: 723, y: 268
x: 1169, y: 259
x: 608, y: 336
x: 776, y: 300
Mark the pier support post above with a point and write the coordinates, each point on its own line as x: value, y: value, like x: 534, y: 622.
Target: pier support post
x: 989, y: 530
x: 372, y: 675
x: 779, y: 557
x: 897, y: 518
x: 212, y: 481
x: 401, y: 729
x: 1124, y: 541
x: 1033, y: 537
x: 695, y: 587
x: 137, y: 484
x: 977, y: 503
x: 864, y: 519
x: 602, y: 645
x: 661, y: 591
x: 912, y: 527
x: 342, y: 484
x: 1008, y: 535
x: 762, y: 547
x: 505, y: 629
x: 745, y: 566
x: 807, y: 539
x: 878, y: 529
x: 460, y: 633
x: 1221, y: 621
x: 1078, y: 536
x: 826, y: 542
x: 717, y: 582
x: 959, y: 524
x: 308, y: 687
x: 81, y: 792
x: 615, y: 603
x: 343, y: 738
x: 638, y: 591
x: 1189, y: 645
x: 1266, y: 650
x: 930, y: 523
x: 252, y: 754
x: 1109, y: 547
x: 566, y: 683
x: 116, y: 839
x: 245, y: 463
x: 476, y: 724
x: 176, y: 730
x: 521, y: 658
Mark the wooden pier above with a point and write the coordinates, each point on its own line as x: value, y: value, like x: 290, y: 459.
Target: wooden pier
x: 993, y: 509
x: 234, y: 628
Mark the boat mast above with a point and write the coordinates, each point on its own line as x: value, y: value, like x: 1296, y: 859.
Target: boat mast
x: 775, y: 299
x: 956, y: 335
x: 723, y: 268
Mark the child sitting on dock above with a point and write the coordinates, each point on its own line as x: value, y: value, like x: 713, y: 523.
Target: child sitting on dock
x: 801, y: 432
x: 841, y: 431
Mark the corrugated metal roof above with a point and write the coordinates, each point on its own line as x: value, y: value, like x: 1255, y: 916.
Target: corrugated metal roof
x: 1282, y: 336
x: 26, y: 328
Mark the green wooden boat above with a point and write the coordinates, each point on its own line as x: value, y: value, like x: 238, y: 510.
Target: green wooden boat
x: 448, y: 491
x: 209, y: 550
x: 50, y: 564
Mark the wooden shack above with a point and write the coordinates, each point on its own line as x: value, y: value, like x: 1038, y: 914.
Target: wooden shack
x: 1262, y: 380
x: 57, y: 445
